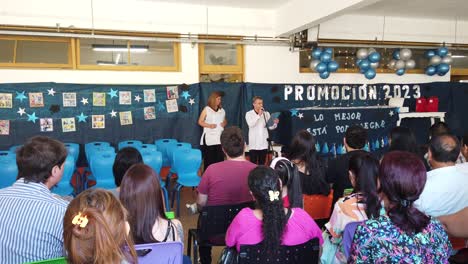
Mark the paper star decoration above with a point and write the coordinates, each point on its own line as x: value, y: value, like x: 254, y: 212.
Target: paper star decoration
x: 301, y: 115
x: 32, y: 117
x: 113, y: 113
x: 82, y: 117
x: 113, y: 93
x: 161, y: 106
x: 137, y: 98
x: 391, y: 113
x: 191, y: 101
x: 21, y: 111
x: 20, y: 96
x: 84, y: 101
x: 51, y: 91
x: 185, y: 95
x: 293, y: 112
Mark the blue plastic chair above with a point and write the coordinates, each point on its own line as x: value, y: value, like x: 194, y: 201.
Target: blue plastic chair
x: 172, y: 149
x: 160, y: 253
x: 91, y: 146
x: 14, y: 148
x: 147, y: 147
x: 153, y: 158
x: 9, y: 170
x: 64, y: 187
x: 130, y: 143
x: 73, y: 150
x: 186, y: 164
x: 101, y: 168
x: 163, y: 145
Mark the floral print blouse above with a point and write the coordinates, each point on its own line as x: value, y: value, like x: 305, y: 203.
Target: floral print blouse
x: 380, y: 241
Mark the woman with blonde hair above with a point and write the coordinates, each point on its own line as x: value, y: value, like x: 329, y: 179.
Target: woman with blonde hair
x: 95, y: 230
x: 213, y: 120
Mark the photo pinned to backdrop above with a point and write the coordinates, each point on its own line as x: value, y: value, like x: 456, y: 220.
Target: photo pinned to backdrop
x: 323, y: 62
x: 149, y: 96
x: 99, y: 99
x: 6, y: 100
x: 47, y: 124
x: 368, y: 61
x: 149, y: 113
x: 125, y: 97
x: 172, y: 106
x: 69, y: 99
x: 36, y: 100
x: 4, y: 127
x: 172, y: 92
x: 402, y: 61
x: 439, y: 61
x: 98, y: 122
x: 126, y: 118
x: 68, y: 124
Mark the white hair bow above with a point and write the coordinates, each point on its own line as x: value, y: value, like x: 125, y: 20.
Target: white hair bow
x: 274, y: 195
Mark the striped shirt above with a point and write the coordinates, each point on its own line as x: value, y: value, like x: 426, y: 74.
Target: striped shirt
x: 31, y: 223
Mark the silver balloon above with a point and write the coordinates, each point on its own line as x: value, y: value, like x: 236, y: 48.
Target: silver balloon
x: 447, y: 59
x: 435, y: 60
x: 370, y: 50
x: 374, y: 65
x: 400, y: 64
x: 362, y: 54
x: 313, y: 64
x: 405, y: 54
x: 410, y: 64
x: 391, y: 64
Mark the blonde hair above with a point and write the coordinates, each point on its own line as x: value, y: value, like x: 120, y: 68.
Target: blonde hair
x: 104, y: 239
x: 212, y: 100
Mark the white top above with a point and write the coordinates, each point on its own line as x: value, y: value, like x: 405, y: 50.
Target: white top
x: 258, y: 132
x: 213, y: 135
x: 445, y: 192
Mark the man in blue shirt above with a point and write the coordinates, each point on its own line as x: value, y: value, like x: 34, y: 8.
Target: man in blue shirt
x: 31, y: 217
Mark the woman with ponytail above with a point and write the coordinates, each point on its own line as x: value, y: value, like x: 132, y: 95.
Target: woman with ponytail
x: 290, y: 180
x: 403, y: 234
x: 270, y: 222
x: 362, y: 204
x: 95, y: 230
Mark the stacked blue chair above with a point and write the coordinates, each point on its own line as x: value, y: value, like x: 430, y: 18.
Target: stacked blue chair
x: 8, y: 168
x: 186, y: 164
x: 14, y: 148
x: 160, y: 253
x: 92, y: 146
x: 130, y: 143
x: 172, y: 149
x: 64, y: 187
x: 163, y: 145
x: 73, y: 150
x: 100, y: 165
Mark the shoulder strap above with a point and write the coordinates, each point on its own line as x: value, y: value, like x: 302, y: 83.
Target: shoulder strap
x: 169, y: 227
x: 288, y: 214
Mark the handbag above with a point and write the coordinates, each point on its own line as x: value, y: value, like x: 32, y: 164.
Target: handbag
x: 229, y: 255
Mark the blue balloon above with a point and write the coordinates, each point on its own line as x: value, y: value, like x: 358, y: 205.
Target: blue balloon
x: 374, y: 57
x: 443, y: 68
x: 400, y: 72
x: 328, y: 50
x: 324, y: 75
x: 430, y: 53
x: 370, y: 74
x: 441, y: 73
x: 325, y: 57
x: 316, y: 53
x: 431, y: 70
x: 363, y: 70
x: 358, y: 61
x: 443, y: 51
x: 364, y: 64
x: 333, y: 66
x: 396, y: 54
x: 321, y: 67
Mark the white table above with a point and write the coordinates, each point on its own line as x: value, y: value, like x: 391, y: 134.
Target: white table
x: 431, y: 115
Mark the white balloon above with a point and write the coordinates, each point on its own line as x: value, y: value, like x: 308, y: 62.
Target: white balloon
x: 362, y: 54
x: 313, y: 64
x: 370, y: 50
x: 405, y: 54
x: 447, y: 59
x: 374, y: 65
x: 400, y: 64
x: 391, y: 64
x: 410, y: 64
x: 435, y: 60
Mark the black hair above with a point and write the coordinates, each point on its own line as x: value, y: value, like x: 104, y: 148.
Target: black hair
x: 465, y: 139
x: 125, y: 158
x: 402, y: 138
x: 356, y: 136
x: 445, y: 148
x: 232, y: 141
x: 366, y: 169
x: 263, y: 180
x: 439, y: 128
x: 289, y: 176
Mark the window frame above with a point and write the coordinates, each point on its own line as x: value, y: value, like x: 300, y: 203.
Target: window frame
x: 221, y: 69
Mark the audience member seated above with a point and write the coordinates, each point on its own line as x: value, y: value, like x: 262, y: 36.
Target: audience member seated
x: 31, y: 216
x: 125, y: 158
x: 456, y: 224
x: 464, y: 151
x: 225, y: 182
x: 290, y: 180
x: 439, y: 129
x: 96, y: 230
x: 270, y: 222
x: 402, y: 233
x: 311, y: 168
x: 338, y: 171
x: 364, y: 203
x: 445, y: 190
x: 403, y: 139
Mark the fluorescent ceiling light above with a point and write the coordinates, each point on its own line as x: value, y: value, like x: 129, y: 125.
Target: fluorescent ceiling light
x: 109, y: 63
x: 120, y: 48
x: 458, y: 56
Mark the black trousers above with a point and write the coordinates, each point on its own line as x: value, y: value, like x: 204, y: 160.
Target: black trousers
x: 205, y: 254
x: 212, y: 154
x: 258, y: 156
